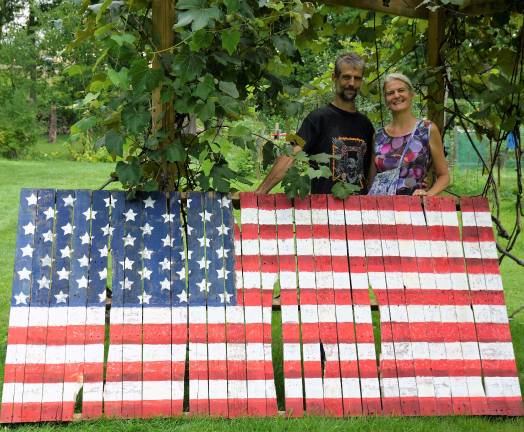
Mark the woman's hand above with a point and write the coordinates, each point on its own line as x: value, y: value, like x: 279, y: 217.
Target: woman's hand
x: 420, y: 192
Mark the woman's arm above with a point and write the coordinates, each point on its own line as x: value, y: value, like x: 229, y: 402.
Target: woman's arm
x: 440, y: 165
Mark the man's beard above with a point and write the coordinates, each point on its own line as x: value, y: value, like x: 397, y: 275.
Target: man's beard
x: 347, y: 97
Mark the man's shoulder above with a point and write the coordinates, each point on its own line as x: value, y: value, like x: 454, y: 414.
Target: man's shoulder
x: 320, y: 112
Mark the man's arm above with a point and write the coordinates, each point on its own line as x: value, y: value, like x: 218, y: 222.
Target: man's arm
x: 277, y: 172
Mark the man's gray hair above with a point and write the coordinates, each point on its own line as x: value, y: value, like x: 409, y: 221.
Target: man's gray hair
x: 398, y: 77
x: 351, y: 59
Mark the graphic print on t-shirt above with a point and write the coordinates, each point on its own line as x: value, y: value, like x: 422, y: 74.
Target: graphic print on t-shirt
x: 349, y: 167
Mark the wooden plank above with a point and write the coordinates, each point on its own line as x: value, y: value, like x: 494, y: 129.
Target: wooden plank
x: 198, y: 354
x: 432, y: 313
x: 179, y: 302
x: 14, y: 371
x: 500, y: 375
x: 114, y: 366
x: 156, y: 307
x: 33, y: 395
x: 92, y: 395
x: 366, y: 355
x: 469, y: 340
x: 55, y: 351
x: 406, y: 8
x: 328, y: 327
x: 351, y: 393
x: 413, y: 325
x: 396, y: 287
x: 291, y: 339
x: 389, y: 379
x: 217, y: 275
x: 312, y: 356
x: 255, y: 359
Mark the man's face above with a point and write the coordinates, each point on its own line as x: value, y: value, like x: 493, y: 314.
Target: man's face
x: 348, y: 82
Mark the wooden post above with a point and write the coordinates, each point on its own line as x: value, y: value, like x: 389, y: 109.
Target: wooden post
x: 436, y: 93
x: 163, y: 12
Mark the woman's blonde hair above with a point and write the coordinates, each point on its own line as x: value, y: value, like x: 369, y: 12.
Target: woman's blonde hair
x: 400, y: 77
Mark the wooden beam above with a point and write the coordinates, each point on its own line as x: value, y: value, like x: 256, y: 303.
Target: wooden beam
x: 436, y: 93
x: 405, y: 8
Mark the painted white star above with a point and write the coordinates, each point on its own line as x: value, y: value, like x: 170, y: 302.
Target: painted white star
x: 127, y: 264
x: 202, y: 285
x: 202, y: 241
x: 61, y: 297
x: 68, y: 229
x: 27, y: 250
x: 66, y: 252
x: 102, y: 274
x: 69, y: 200
x: 90, y: 214
x: 84, y: 261
x: 46, y: 261
x: 225, y: 298
x: 225, y: 201
x: 145, y: 273
x: 21, y: 298
x: 49, y: 213
x: 222, y: 273
x: 31, y: 200
x: 168, y: 217
x: 182, y: 273
x: 104, y: 251
x: 130, y: 215
x: 146, y: 253
x: 82, y: 282
x: 147, y: 229
x: 222, y: 253
x: 29, y: 228
x: 63, y: 274
x: 129, y: 240
x: 182, y: 297
x: 48, y: 236
x: 102, y: 296
x: 165, y: 264
x: 188, y: 202
x: 167, y: 242
x: 205, y: 215
x: 107, y: 230
x: 165, y: 284
x: 144, y: 298
x: 222, y: 229
x: 43, y: 283
x: 149, y: 202
x: 126, y: 284
x: 189, y: 229
x: 203, y: 263
x: 189, y: 253
x: 110, y: 201
x: 86, y: 238
x: 24, y: 274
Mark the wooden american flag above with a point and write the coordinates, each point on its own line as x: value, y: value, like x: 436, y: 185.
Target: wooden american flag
x: 189, y: 326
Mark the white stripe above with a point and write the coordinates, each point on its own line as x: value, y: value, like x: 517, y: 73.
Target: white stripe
x: 258, y: 389
x: 447, y: 313
x: 133, y: 315
x: 157, y: 315
x: 253, y: 314
x: 347, y: 351
x: 38, y: 316
x: 286, y: 246
x: 353, y: 217
x: 319, y: 217
x: 336, y: 217
x: 321, y: 247
x: 306, y: 279
x: 218, y: 389
x: 249, y: 216
x: 468, y: 219
x: 34, y: 392
x: 449, y: 219
x: 251, y: 280
x: 178, y: 315
x: 356, y: 248
x: 350, y: 388
x: 156, y: 390
x: 197, y: 315
x: 288, y: 280
x: 156, y: 352
x: 18, y: 317
x: 313, y: 388
x: 289, y: 314
x: 311, y: 352
x: 96, y: 315
x: 291, y: 351
x: 366, y: 351
x: 302, y: 217
x: 216, y: 315
x: 237, y: 389
x: 332, y: 388
x: 293, y: 387
x: 305, y: 247
x: 370, y: 387
x: 502, y: 386
x: 266, y: 217
x: 490, y: 314
x: 93, y: 392
x: 284, y: 216
x: 483, y: 219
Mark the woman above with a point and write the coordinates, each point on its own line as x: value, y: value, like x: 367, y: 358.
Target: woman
x: 425, y: 147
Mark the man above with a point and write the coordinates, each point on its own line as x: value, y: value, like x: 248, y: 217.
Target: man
x: 337, y: 129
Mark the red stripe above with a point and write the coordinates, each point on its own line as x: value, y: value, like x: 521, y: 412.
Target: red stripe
x: 410, y: 296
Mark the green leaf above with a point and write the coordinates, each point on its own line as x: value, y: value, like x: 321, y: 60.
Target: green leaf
x: 230, y: 106
x: 188, y: 66
x: 228, y: 88
x: 114, y: 143
x: 239, y: 130
x: 75, y: 69
x: 175, y: 152
x: 201, y: 39
x: 84, y: 125
x: 268, y: 153
x: 198, y: 17
x: 322, y: 158
x: 284, y: 44
x: 123, y: 39
x: 232, y: 5
x: 205, y: 87
x: 295, y: 184
x: 206, y: 110
x: 119, y: 79
x: 230, y: 38
x: 128, y: 173
x: 342, y: 190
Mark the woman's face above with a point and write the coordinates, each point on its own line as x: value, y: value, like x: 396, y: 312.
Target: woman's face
x: 398, y: 95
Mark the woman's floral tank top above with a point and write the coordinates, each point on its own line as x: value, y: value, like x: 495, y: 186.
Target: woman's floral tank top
x: 417, y: 159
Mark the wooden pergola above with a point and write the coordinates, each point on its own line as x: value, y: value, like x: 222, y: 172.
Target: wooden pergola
x: 164, y: 19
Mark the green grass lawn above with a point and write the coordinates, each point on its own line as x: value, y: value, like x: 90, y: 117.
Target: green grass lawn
x: 75, y: 175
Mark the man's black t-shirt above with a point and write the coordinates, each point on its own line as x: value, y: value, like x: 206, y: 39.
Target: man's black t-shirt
x: 339, y: 133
